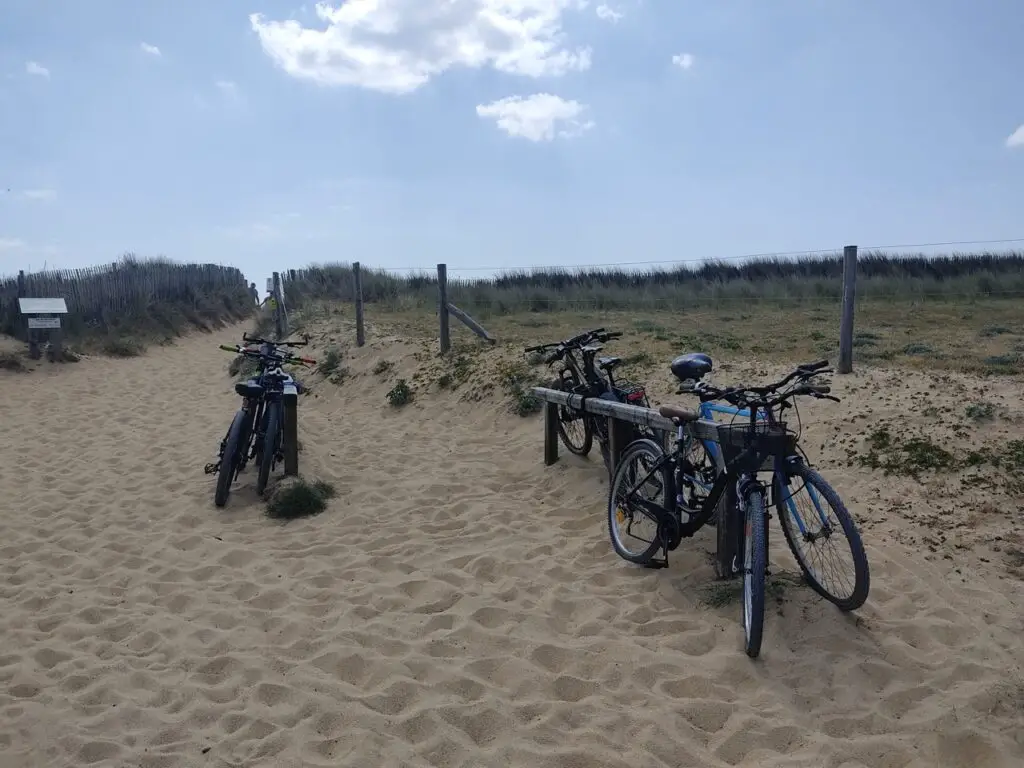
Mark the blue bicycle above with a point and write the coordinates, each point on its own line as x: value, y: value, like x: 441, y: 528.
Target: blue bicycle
x: 810, y: 511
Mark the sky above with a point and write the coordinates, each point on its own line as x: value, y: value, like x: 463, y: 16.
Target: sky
x: 490, y: 134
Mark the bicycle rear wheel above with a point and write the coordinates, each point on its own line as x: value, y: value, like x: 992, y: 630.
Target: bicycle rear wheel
x: 755, y: 569
x: 574, y: 428
x: 812, y: 515
x: 270, y: 445
x: 633, y: 532
x: 229, y: 459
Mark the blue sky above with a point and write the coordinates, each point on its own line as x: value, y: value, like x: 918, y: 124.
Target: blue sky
x: 389, y: 132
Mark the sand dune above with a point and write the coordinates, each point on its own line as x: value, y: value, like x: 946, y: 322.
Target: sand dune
x: 458, y: 605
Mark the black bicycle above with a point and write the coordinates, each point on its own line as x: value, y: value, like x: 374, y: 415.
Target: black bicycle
x: 658, y: 489
x: 257, y: 429
x: 584, y: 373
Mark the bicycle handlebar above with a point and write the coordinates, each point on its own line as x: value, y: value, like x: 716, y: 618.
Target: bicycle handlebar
x: 253, y: 340
x: 560, y: 347
x: 741, y: 396
x: 257, y: 354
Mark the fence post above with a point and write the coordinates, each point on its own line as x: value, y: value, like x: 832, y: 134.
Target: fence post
x: 846, y: 319
x: 278, y: 309
x: 21, y: 331
x: 442, y: 308
x: 357, y: 277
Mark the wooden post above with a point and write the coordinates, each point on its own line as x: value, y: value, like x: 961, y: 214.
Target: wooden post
x: 470, y: 323
x: 442, y: 308
x: 290, y: 438
x: 357, y: 276
x: 550, y: 434
x: 620, y: 434
x: 278, y: 310
x: 849, y: 298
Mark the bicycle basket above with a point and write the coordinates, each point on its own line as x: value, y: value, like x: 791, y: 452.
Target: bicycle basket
x: 631, y: 392
x: 772, y: 440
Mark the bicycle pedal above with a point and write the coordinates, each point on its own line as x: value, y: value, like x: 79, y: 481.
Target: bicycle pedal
x: 212, y: 469
x: 654, y: 564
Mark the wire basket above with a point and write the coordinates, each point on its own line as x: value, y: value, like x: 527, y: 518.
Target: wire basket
x: 770, y: 439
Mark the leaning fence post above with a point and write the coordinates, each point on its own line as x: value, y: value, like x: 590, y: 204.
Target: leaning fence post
x: 357, y: 283
x: 278, y: 310
x: 846, y: 318
x: 442, y: 307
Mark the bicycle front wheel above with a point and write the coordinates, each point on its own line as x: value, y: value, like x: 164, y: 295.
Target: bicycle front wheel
x: 270, y: 440
x: 632, y: 529
x: 229, y: 459
x: 822, y: 536
x: 755, y: 569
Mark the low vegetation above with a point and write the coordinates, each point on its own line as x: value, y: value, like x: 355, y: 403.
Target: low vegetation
x: 133, y: 302
x: 296, y: 498
x: 517, y: 379
x: 400, y: 394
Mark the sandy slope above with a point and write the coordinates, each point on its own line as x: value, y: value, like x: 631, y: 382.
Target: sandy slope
x: 459, y: 604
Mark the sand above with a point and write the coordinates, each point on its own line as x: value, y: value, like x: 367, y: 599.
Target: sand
x: 459, y: 604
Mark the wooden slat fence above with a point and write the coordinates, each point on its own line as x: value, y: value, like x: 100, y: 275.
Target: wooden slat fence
x: 95, y: 295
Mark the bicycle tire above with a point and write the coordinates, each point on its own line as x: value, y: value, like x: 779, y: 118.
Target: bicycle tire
x: 568, y: 384
x: 270, y: 439
x: 755, y: 570
x: 728, y: 534
x: 862, y: 571
x: 633, y: 451
x: 229, y: 460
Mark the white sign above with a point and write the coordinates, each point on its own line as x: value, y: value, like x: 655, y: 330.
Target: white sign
x: 270, y: 285
x: 44, y: 322
x: 43, y: 306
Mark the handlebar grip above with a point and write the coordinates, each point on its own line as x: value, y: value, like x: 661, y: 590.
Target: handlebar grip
x: 227, y: 348
x: 815, y: 366
x: 824, y: 390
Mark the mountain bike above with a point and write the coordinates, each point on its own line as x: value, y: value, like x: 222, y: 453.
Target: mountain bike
x: 815, y: 526
x: 584, y: 373
x: 653, y: 487
x: 257, y: 429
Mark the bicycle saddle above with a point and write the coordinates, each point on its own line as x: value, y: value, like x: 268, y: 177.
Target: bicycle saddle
x: 678, y: 414
x: 608, y: 363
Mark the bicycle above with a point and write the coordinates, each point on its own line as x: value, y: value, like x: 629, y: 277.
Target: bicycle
x: 798, y: 527
x: 257, y: 428
x: 583, y: 373
x: 745, y: 448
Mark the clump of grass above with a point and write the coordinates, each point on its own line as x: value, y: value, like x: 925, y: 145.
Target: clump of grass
x: 866, y: 339
x: 68, y: 356
x: 445, y: 381
x: 9, y: 361
x: 299, y: 498
x: 638, y: 358
x: 517, y: 380
x: 382, y: 367
x: 911, y: 457
x: 980, y: 411
x: 535, y: 358
x: 339, y: 375
x: 994, y: 330
x: 400, y: 394
x: 917, y: 348
x: 122, y: 348
x: 331, y: 361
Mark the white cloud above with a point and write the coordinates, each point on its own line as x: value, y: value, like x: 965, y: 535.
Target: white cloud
x: 45, y: 195
x: 38, y: 70
x: 1016, y: 139
x: 396, y: 46
x: 539, y: 117
x: 683, y: 60
x: 607, y: 13
x: 228, y: 87
x: 152, y: 50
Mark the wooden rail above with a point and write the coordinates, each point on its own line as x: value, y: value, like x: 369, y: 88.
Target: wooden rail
x: 618, y: 415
